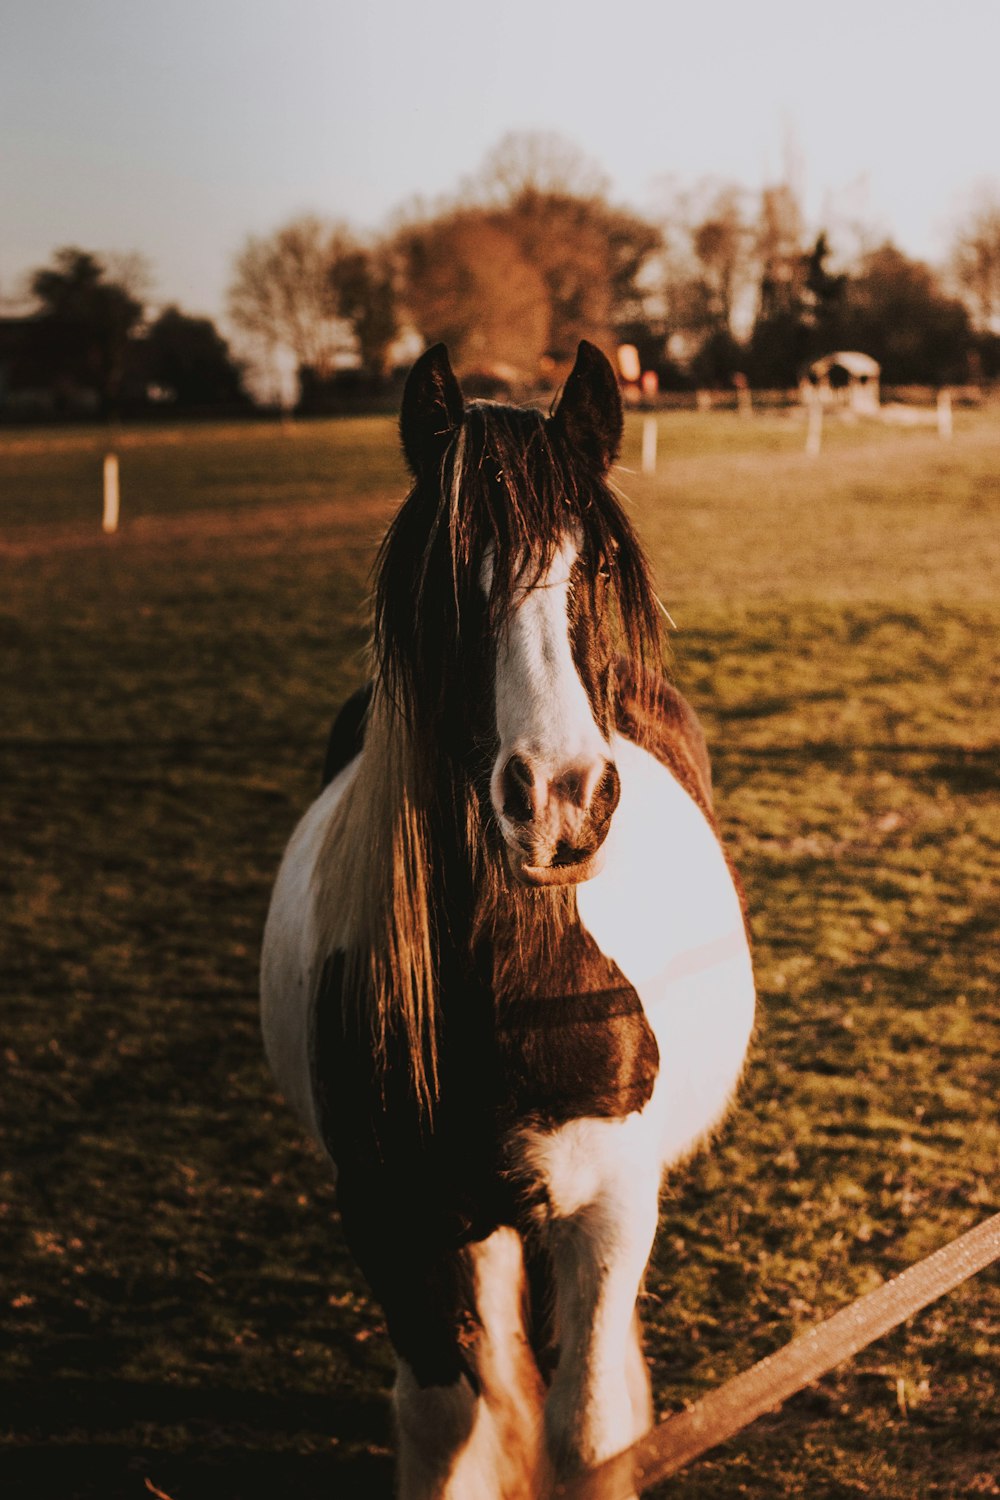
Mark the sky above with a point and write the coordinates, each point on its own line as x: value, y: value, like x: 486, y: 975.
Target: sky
x: 180, y: 127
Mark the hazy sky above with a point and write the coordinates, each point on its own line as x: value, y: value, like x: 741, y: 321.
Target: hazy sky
x: 179, y: 127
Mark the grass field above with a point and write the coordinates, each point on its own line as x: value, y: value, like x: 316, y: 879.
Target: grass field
x: 177, y: 1305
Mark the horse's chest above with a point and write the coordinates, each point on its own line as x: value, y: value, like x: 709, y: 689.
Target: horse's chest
x: 569, y: 1040
x: 562, y: 1057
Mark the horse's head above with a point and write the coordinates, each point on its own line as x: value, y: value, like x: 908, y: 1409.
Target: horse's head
x: 508, y: 585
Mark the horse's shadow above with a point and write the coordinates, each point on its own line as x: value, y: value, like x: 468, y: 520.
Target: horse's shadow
x: 90, y: 1440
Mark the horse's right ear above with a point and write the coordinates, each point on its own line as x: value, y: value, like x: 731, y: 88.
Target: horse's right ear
x: 589, y: 415
x: 432, y: 409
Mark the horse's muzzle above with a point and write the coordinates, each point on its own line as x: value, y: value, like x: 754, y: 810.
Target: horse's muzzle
x: 554, y: 826
x: 567, y: 874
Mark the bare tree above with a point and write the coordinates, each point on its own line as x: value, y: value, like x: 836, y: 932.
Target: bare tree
x: 535, y: 162
x: 365, y: 294
x: 975, y: 260
x: 721, y: 243
x: 530, y: 259
x: 709, y: 257
x: 283, y: 297
x: 780, y: 245
x: 542, y: 191
x: 468, y: 282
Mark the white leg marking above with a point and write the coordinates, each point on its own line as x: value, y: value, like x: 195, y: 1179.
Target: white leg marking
x: 599, y: 1257
x: 640, y: 1389
x: 455, y: 1445
x: 512, y: 1387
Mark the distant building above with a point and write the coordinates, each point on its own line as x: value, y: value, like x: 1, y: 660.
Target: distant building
x: 847, y: 379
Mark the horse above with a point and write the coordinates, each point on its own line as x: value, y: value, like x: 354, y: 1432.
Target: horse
x: 506, y: 979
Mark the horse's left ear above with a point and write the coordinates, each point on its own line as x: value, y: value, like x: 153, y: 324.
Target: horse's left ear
x: 432, y: 408
x: 589, y: 415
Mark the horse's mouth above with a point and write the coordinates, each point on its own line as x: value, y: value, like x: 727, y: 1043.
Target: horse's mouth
x: 563, y: 873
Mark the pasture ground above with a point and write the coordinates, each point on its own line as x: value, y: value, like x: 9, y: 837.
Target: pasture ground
x: 177, y: 1308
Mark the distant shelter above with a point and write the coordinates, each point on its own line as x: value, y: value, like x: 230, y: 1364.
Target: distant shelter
x: 846, y: 379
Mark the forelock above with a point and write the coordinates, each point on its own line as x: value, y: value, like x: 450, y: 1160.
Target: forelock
x: 510, y: 487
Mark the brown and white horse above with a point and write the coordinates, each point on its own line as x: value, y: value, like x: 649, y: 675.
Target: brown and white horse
x: 505, y: 977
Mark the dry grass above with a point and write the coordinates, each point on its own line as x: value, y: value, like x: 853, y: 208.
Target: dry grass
x: 178, y: 1303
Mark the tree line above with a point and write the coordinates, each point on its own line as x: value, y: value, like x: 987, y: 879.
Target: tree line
x: 525, y: 259
x: 532, y: 254
x: 86, y: 347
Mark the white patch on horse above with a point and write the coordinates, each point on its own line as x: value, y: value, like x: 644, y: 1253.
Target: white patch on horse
x: 596, y: 1407
x: 291, y: 955
x: 664, y: 907
x: 543, y: 713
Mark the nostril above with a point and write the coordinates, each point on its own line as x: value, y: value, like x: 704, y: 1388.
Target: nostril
x: 517, y: 784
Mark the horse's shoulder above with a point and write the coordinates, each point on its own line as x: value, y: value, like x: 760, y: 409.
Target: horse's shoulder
x: 656, y: 717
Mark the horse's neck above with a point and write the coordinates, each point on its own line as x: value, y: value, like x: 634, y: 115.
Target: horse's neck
x: 410, y: 820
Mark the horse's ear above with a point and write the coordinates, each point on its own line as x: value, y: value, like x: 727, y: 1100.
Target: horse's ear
x: 432, y: 408
x: 589, y: 415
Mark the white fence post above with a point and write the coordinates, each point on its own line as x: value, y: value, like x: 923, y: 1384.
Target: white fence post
x: 649, y: 445
x: 814, y: 435
x: 110, y: 521
x: 944, y: 414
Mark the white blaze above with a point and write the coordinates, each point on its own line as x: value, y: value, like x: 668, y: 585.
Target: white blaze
x: 542, y: 709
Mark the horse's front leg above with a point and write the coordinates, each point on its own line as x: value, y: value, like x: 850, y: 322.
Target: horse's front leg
x: 468, y: 1393
x: 599, y: 1401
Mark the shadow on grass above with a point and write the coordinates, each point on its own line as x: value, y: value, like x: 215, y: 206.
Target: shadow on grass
x: 964, y: 770
x: 81, y: 1440
x: 90, y: 1471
